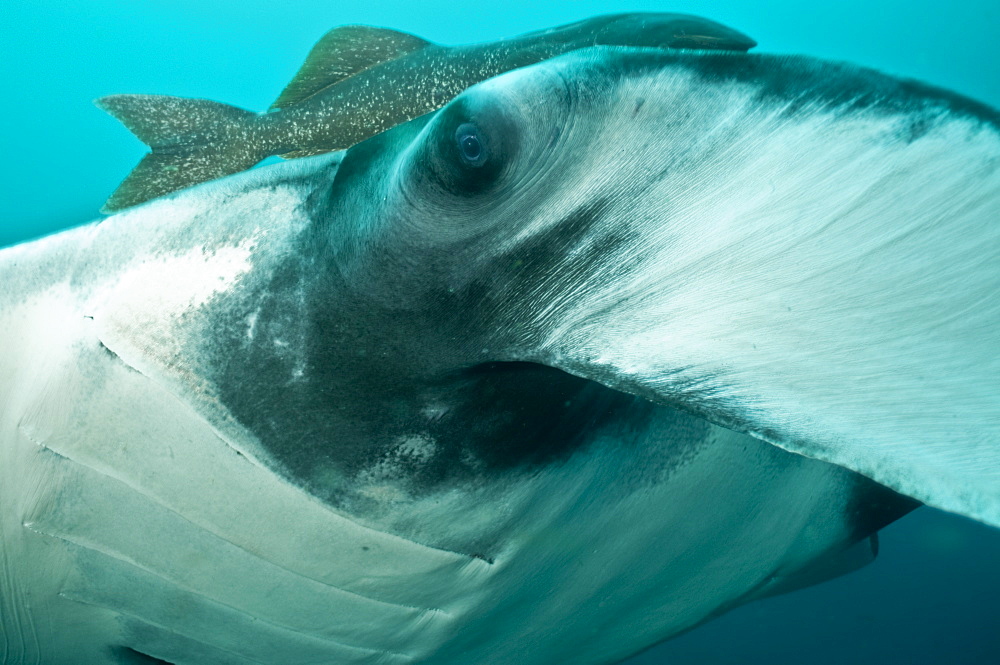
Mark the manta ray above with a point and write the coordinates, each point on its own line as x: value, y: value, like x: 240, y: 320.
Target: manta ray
x: 601, y: 349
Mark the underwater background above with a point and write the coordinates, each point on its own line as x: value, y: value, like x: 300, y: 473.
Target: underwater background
x: 933, y: 595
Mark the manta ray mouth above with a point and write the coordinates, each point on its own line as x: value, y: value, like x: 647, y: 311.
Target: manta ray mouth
x: 467, y: 441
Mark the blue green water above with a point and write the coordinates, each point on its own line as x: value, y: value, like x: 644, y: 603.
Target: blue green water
x: 934, y: 594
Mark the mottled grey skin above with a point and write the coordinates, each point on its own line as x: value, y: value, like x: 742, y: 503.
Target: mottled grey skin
x: 198, y: 140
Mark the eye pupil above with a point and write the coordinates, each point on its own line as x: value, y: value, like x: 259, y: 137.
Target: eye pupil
x: 470, y: 146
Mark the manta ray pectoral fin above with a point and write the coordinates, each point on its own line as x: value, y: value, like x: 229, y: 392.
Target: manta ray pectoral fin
x: 907, y: 412
x: 342, y: 53
x: 880, y: 357
x: 824, y: 569
x: 837, y: 299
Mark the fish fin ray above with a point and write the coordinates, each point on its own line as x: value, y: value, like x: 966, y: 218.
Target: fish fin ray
x: 342, y: 53
x: 192, y: 141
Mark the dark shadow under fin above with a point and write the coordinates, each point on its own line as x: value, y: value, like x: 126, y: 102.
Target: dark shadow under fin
x: 871, y: 507
x: 127, y: 656
x: 192, y: 141
x: 824, y: 569
x: 342, y: 53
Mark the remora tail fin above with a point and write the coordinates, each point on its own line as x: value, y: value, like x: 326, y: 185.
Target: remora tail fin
x: 192, y: 141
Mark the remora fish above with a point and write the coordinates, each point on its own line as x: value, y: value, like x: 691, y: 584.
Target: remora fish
x: 447, y: 397
x: 357, y: 82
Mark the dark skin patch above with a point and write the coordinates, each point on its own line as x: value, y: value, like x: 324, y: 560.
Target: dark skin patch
x: 351, y: 367
x: 799, y: 82
x: 575, y: 248
x: 873, y: 507
x: 339, y: 375
x: 361, y: 398
x: 917, y: 128
x: 354, y: 380
x: 128, y: 656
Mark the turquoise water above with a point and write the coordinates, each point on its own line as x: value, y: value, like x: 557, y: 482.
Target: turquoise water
x: 64, y: 156
x: 934, y: 594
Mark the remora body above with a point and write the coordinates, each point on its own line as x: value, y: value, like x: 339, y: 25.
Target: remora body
x: 431, y: 400
x: 359, y: 81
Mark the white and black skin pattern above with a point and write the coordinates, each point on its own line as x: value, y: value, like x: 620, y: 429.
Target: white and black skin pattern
x: 521, y: 381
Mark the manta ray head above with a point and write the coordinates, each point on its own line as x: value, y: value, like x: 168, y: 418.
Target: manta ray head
x: 617, y: 227
x: 570, y: 332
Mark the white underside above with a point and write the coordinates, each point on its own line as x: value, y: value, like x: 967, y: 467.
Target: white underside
x: 828, y: 278
x: 131, y: 521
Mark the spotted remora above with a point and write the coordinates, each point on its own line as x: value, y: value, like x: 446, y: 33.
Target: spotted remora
x: 357, y: 82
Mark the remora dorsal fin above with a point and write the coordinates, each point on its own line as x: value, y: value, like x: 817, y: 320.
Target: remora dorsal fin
x: 342, y: 53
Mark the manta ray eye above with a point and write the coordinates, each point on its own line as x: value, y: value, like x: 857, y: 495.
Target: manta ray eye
x: 469, y: 149
x: 470, y: 146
